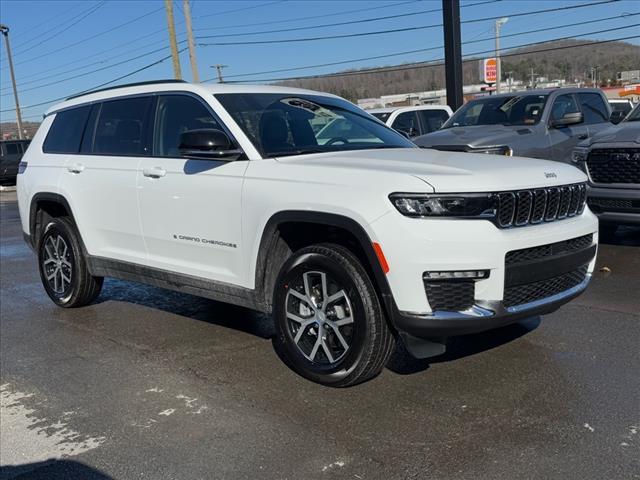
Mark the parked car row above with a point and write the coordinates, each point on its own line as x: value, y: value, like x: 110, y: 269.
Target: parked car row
x: 571, y: 125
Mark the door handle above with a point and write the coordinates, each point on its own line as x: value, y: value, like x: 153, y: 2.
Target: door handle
x: 582, y: 136
x: 155, y: 172
x: 75, y: 168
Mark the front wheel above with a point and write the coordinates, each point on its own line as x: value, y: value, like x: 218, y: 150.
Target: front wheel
x: 329, y: 322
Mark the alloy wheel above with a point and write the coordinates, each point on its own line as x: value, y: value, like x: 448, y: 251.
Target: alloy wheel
x: 319, y: 317
x: 56, y: 264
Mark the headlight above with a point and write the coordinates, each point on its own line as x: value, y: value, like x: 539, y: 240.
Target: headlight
x: 455, y: 205
x: 500, y: 150
x: 579, y: 155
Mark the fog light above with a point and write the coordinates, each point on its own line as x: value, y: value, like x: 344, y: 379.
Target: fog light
x: 462, y: 274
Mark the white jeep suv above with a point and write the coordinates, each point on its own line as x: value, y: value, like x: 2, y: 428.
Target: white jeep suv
x: 350, y: 243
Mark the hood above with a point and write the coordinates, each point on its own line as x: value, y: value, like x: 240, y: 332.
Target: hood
x: 474, y: 136
x: 625, y: 132
x: 446, y: 171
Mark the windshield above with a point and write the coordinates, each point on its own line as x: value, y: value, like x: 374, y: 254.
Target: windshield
x: 622, y: 107
x: 634, y: 116
x: 280, y: 125
x: 381, y: 115
x: 502, y: 110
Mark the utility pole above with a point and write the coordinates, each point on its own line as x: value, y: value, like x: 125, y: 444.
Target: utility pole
x: 168, y: 5
x: 219, y: 68
x: 499, y: 23
x: 532, y: 76
x: 192, y: 48
x: 452, y: 52
x: 5, y: 33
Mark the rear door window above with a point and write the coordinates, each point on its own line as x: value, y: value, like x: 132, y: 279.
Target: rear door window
x: 432, y: 119
x: 65, y: 133
x: 593, y: 108
x: 12, y: 149
x: 121, y: 128
x: 408, y: 123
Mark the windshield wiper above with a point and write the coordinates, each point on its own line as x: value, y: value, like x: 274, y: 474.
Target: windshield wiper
x: 301, y: 151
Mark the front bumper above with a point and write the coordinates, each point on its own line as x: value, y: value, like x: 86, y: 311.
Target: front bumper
x: 415, y: 246
x: 615, y: 205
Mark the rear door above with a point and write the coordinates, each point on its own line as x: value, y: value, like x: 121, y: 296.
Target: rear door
x: 407, y: 122
x: 432, y: 119
x: 564, y: 139
x: 100, y: 180
x: 190, y: 209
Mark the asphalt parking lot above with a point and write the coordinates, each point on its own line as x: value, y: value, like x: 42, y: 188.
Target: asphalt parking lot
x: 148, y: 383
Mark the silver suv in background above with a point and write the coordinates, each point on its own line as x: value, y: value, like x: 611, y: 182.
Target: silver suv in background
x: 545, y: 124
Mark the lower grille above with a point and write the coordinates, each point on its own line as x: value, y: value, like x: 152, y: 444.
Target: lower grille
x: 530, y: 292
x: 615, y: 165
x: 543, y: 251
x: 613, y: 204
x: 454, y: 295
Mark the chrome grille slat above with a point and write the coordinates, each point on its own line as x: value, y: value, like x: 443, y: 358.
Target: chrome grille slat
x: 529, y: 207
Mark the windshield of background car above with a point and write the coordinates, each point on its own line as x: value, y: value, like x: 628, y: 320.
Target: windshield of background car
x: 382, y: 116
x: 634, y: 116
x: 624, y: 107
x: 280, y: 124
x: 502, y: 110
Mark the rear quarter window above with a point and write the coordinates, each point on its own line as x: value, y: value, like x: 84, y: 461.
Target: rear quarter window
x: 66, y: 131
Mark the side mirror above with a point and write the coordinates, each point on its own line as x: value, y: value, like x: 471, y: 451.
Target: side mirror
x: 568, y: 119
x: 207, y: 144
x: 616, y: 117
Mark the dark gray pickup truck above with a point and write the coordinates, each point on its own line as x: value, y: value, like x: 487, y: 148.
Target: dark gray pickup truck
x: 545, y: 124
x: 611, y: 159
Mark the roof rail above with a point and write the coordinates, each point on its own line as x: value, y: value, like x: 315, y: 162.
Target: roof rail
x: 137, y: 84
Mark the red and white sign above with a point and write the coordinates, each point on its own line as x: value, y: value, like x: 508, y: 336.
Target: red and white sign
x: 488, y: 70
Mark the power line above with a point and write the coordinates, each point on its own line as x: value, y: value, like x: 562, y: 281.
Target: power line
x: 422, y: 50
x: 45, y: 22
x: 48, y: 76
x: 92, y: 36
x: 217, y: 14
x: 126, y: 75
x: 351, y: 22
x: 315, y: 17
x: 396, y: 30
x: 57, y: 28
x: 73, y: 77
x: 440, y: 61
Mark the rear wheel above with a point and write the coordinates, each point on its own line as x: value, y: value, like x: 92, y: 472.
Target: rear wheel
x: 330, y: 324
x: 63, y: 268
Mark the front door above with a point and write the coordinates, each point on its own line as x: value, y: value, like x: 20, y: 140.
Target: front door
x: 564, y: 139
x: 190, y: 209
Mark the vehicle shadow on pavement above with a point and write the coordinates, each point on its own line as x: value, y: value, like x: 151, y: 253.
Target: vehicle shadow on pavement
x: 624, y: 236
x: 197, y: 308
x: 51, y: 470
x: 402, y: 363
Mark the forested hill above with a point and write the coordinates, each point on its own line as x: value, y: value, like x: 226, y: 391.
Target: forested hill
x: 567, y: 63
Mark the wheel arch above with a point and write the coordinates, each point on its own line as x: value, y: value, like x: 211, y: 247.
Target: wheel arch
x: 53, y: 204
x: 274, y: 249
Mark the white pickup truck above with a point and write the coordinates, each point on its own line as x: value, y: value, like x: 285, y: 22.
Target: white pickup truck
x: 350, y: 243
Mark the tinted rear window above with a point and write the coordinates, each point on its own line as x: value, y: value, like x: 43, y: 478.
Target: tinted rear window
x: 121, y: 127
x: 66, y: 131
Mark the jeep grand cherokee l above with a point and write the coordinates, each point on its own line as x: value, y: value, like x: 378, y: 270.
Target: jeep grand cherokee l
x: 350, y: 244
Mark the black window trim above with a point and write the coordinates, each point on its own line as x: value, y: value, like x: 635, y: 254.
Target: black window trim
x: 150, y: 119
x: 154, y: 113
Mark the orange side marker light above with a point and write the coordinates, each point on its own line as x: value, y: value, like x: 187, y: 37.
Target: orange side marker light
x: 381, y: 259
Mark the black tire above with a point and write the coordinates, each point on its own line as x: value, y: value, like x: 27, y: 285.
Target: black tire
x: 80, y: 287
x: 356, y: 309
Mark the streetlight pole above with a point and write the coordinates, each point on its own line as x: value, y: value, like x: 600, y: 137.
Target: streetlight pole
x: 499, y: 23
x: 452, y: 52
x: 5, y: 33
